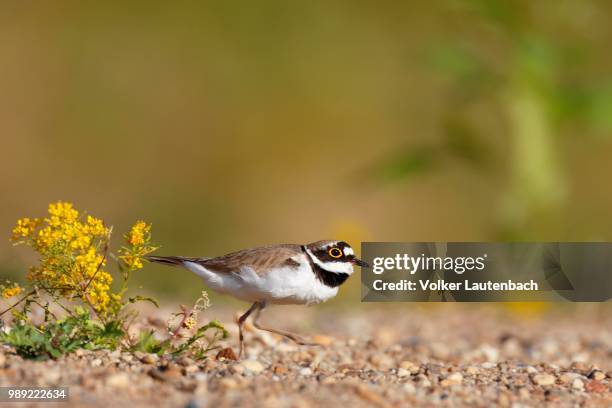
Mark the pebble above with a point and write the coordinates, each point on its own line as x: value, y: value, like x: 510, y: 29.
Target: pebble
x: 329, y: 380
x: 52, y: 376
x: 325, y: 367
x: 410, y: 366
x: 568, y: 378
x: 253, y: 366
x: 185, y: 361
x: 597, y: 375
x: 190, y: 369
x: 279, y: 369
x: 228, y: 383
x: 580, y: 367
x: 148, y: 358
x: 306, y: 371
x: 210, y: 364
x: 595, y: 386
x: 171, y: 374
x: 317, y: 359
x: 424, y: 381
x: 96, y: 362
x: 453, y: 379
x: 322, y: 340
x: 472, y: 370
x: 578, y: 385
x: 503, y: 400
x: 200, y: 377
x: 120, y: 380
x: 227, y: 354
x: 409, y: 388
x: 381, y: 361
x: 127, y: 357
x: 402, y: 372
x: 544, y: 379
x: 237, y: 369
x: 366, y: 393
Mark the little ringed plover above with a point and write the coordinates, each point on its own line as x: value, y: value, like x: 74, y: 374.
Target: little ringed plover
x: 280, y: 274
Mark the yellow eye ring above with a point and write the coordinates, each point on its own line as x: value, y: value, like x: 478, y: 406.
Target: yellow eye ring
x: 335, y: 252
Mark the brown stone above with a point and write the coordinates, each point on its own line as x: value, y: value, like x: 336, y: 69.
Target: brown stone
x: 227, y: 354
x: 279, y: 369
x: 595, y: 386
x: 322, y: 340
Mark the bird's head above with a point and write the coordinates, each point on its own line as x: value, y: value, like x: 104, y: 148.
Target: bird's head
x: 334, y: 256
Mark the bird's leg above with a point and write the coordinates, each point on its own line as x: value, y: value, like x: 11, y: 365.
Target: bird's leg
x: 294, y: 337
x: 241, y: 320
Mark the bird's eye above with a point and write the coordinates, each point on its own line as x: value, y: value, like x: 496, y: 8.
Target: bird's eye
x: 335, y: 252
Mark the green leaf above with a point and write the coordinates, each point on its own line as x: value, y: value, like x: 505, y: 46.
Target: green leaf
x: 113, y: 329
x: 149, y: 344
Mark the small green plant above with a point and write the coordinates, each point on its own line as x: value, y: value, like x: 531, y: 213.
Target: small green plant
x: 72, y: 285
x: 183, y: 334
x: 63, y: 336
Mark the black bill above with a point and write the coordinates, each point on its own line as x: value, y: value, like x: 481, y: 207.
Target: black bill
x: 361, y: 263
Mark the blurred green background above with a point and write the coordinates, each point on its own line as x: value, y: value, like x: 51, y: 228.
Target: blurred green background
x: 237, y: 124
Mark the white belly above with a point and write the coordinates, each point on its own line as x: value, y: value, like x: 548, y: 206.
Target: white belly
x: 284, y: 285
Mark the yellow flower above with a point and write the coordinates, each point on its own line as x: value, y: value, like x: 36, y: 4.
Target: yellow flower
x: 72, y: 251
x: 137, y: 264
x: 137, y: 235
x: 80, y: 241
x: 25, y: 227
x: 132, y: 261
x: 98, y: 292
x: 189, y: 323
x: 139, y: 245
x: 10, y: 292
x: 62, y: 212
x: 96, y: 226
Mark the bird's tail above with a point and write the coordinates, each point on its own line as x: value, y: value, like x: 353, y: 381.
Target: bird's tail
x: 169, y: 260
x: 195, y: 265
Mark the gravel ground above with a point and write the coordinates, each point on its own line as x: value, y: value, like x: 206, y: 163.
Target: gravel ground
x: 449, y: 355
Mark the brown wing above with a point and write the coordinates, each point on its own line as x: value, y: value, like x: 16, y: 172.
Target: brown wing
x: 260, y: 259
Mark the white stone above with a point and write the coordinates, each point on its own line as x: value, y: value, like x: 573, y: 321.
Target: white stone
x: 578, y: 385
x: 120, y: 380
x: 306, y: 371
x: 544, y: 379
x: 253, y: 366
x: 402, y: 372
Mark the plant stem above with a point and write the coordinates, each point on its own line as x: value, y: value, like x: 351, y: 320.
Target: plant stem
x: 18, y: 302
